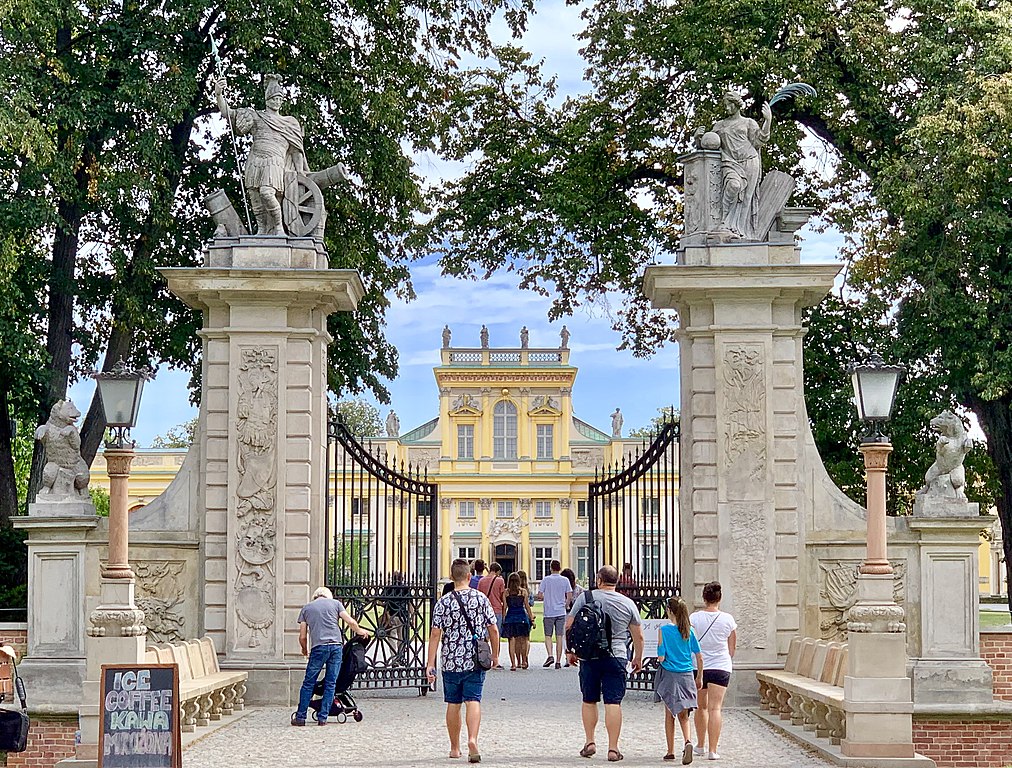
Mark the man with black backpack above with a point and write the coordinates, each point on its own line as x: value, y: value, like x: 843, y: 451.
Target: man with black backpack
x: 597, y: 630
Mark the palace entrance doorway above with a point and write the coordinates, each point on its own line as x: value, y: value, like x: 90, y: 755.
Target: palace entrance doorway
x: 506, y: 556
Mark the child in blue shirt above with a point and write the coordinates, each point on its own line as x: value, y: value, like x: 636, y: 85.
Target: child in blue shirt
x: 676, y: 682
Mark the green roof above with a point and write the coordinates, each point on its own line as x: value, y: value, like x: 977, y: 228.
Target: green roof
x: 589, y: 432
x: 419, y: 433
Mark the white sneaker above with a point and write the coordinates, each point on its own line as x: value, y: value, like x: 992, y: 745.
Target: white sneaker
x: 713, y: 756
x: 698, y: 751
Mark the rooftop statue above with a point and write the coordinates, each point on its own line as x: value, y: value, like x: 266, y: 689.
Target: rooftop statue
x: 616, y: 423
x: 393, y: 425
x: 483, y: 336
x: 285, y: 196
x: 524, y: 337
x: 564, y: 337
x: 446, y: 336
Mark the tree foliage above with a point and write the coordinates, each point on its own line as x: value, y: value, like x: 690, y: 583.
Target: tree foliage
x: 911, y: 129
x: 179, y: 436
x: 108, y: 151
x: 664, y: 415
x: 361, y: 417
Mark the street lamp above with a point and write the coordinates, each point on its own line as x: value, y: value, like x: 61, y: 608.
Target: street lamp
x: 120, y: 390
x: 875, y: 386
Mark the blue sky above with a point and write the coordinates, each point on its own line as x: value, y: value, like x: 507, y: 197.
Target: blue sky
x: 607, y: 378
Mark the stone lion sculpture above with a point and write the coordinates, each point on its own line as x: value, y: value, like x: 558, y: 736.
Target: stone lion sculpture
x: 65, y: 475
x: 947, y: 477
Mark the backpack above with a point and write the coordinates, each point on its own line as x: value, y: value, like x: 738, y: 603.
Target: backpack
x: 589, y: 637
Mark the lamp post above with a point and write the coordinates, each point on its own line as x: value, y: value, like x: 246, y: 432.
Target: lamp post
x: 120, y: 390
x: 875, y: 385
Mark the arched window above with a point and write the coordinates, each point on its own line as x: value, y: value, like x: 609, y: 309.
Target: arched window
x: 504, y: 430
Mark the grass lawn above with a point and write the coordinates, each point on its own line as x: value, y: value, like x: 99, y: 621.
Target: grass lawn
x: 990, y: 619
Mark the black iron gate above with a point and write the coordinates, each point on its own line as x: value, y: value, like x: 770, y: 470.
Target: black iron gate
x: 381, y: 551
x: 633, y: 525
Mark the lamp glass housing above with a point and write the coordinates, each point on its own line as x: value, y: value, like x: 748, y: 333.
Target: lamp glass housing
x: 875, y: 385
x: 121, y: 398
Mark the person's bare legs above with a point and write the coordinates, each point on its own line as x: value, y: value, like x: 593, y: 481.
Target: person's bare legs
x: 513, y: 643
x: 715, y: 714
x: 559, y: 639
x: 669, y: 731
x: 701, y: 716
x: 589, y: 713
x: 453, y: 728
x: 548, y: 641
x: 613, y: 722
x: 683, y: 722
x: 473, y: 716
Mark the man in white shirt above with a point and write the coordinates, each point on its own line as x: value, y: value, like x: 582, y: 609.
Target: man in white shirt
x: 556, y: 591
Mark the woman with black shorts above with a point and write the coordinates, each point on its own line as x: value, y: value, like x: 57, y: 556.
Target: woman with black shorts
x: 715, y: 631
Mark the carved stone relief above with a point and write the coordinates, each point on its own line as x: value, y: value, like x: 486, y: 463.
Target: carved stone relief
x: 160, y: 594
x: 838, y: 593
x: 256, y: 433
x: 751, y: 563
x: 587, y: 457
x: 423, y: 458
x: 745, y: 417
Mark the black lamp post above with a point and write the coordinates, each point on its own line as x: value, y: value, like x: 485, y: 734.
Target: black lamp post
x: 120, y: 390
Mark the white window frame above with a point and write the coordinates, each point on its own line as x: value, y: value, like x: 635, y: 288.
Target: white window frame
x: 467, y: 552
x: 582, y: 562
x: 465, y: 510
x: 581, y: 509
x: 465, y: 441
x: 541, y: 558
x: 650, y: 560
x: 504, y: 510
x: 504, y: 431
x: 543, y: 510
x: 546, y: 442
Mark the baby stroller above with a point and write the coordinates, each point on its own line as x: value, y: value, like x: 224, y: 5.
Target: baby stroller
x: 352, y: 663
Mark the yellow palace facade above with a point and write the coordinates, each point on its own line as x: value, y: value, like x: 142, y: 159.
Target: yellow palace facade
x: 511, y: 460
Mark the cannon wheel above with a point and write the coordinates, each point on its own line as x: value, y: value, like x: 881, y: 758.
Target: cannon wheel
x: 302, y: 206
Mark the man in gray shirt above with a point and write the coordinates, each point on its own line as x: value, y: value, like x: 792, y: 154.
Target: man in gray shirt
x: 318, y: 626
x: 605, y: 677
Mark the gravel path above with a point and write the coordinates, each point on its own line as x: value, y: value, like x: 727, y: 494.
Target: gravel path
x: 529, y: 718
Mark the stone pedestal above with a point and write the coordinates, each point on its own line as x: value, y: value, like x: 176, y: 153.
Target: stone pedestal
x: 744, y: 424
x: 946, y: 665
x: 57, y: 617
x: 265, y: 303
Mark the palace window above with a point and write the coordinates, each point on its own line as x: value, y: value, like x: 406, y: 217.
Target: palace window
x: 465, y: 509
x: 422, y: 559
x: 581, y: 563
x: 543, y: 509
x: 504, y: 430
x: 423, y: 507
x: 581, y: 509
x: 545, y: 441
x: 359, y: 506
x: 650, y: 506
x: 467, y: 553
x: 543, y: 557
x: 465, y: 441
x: 651, y: 559
x: 504, y: 509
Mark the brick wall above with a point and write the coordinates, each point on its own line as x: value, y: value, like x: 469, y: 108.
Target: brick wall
x: 49, y: 741
x: 965, y: 743
x: 17, y: 638
x: 996, y: 650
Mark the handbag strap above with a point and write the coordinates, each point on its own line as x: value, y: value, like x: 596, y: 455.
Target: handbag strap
x: 467, y: 618
x: 712, y: 622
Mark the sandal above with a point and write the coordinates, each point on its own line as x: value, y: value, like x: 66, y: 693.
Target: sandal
x: 474, y: 758
x: 589, y: 749
x: 614, y: 756
x: 669, y: 756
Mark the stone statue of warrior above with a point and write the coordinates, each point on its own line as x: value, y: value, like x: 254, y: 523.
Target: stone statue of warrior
x: 277, y: 148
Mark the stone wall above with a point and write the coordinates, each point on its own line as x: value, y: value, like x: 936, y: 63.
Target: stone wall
x: 49, y: 741
x: 965, y: 743
x: 996, y: 650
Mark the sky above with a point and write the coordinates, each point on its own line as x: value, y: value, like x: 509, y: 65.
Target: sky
x: 607, y: 378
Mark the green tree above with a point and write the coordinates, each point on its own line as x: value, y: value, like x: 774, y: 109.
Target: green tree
x: 109, y: 151
x: 912, y: 127
x: 361, y: 417
x: 664, y: 415
x: 180, y: 436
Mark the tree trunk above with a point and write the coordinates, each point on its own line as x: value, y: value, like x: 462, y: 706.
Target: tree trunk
x: 996, y: 420
x: 8, y: 483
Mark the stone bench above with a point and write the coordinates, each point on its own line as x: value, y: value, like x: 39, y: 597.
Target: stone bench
x: 205, y: 691
x: 809, y: 690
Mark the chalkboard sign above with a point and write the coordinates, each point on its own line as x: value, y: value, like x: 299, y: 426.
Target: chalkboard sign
x: 140, y: 717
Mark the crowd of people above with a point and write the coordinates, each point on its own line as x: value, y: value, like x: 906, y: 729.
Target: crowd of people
x: 480, y: 606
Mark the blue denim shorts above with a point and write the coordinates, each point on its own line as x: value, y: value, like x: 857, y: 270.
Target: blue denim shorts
x: 602, y: 678
x: 459, y: 687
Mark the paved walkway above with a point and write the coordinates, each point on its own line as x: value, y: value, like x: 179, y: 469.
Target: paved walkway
x: 529, y: 718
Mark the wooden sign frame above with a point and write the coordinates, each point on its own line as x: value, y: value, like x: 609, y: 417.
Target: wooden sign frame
x: 174, y: 724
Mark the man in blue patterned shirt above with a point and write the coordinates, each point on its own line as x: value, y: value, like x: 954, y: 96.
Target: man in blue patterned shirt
x: 462, y: 682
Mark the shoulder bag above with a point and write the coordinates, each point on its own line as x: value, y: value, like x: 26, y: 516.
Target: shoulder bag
x: 482, y: 648
x: 14, y: 723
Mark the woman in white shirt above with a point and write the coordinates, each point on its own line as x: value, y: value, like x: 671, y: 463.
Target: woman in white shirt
x: 715, y: 631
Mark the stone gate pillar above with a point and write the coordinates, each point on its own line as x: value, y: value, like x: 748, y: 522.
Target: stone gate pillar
x: 265, y: 302
x: 743, y: 416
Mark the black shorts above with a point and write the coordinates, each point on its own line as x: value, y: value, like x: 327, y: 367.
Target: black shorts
x: 717, y: 677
